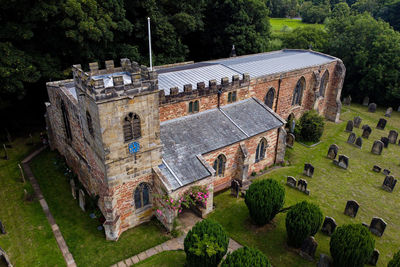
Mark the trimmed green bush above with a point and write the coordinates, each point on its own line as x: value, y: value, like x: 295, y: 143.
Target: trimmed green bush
x: 395, y: 262
x: 264, y: 199
x: 351, y: 245
x: 205, y: 244
x: 246, y: 257
x: 310, y: 127
x: 303, y: 220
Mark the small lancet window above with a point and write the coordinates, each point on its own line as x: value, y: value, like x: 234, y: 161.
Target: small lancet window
x: 260, y: 151
x: 298, y: 92
x: 131, y: 127
x: 219, y: 165
x: 142, y: 195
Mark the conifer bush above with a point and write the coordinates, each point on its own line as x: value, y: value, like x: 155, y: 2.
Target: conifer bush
x: 303, y: 219
x: 395, y: 262
x: 351, y: 245
x: 205, y: 244
x: 310, y: 127
x: 264, y: 199
x: 246, y: 257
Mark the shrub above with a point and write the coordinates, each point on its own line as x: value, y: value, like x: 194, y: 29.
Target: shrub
x: 395, y: 262
x: 303, y: 219
x: 264, y: 199
x: 310, y: 127
x: 205, y: 244
x: 351, y: 245
x: 246, y: 257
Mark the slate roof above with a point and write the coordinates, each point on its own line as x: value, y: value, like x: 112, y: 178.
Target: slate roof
x: 185, y: 137
x: 256, y: 65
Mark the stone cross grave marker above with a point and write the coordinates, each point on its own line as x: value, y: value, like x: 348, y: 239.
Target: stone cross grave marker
x: 393, y: 136
x: 349, y: 126
x: 389, y: 183
x: 385, y: 141
x: 377, y: 226
x: 374, y: 257
x: 359, y: 142
x: 389, y: 112
x: 352, y: 138
x: 308, y: 248
x: 376, y: 168
x: 357, y: 121
x: 351, y: 208
x: 377, y: 147
x: 302, y: 186
x: 291, y: 181
x: 332, y: 151
x: 290, y: 140
x: 372, y: 107
x: 329, y: 226
x: 82, y: 199
x: 366, y: 131
x: 381, y: 124
x: 73, y: 188
x: 366, y: 101
x: 308, y: 170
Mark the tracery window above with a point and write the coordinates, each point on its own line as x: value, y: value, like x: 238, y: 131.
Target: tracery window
x: 324, y: 83
x: 260, y: 151
x: 269, y: 98
x: 232, y: 97
x: 142, y: 195
x: 67, y: 125
x: 131, y: 127
x: 194, y: 106
x: 298, y: 91
x: 219, y: 165
x: 89, y: 123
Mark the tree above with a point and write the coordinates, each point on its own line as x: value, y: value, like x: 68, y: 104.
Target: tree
x: 390, y: 13
x: 310, y: 127
x: 395, y: 262
x: 311, y: 13
x: 246, y: 257
x: 264, y: 199
x: 340, y: 11
x: 304, y: 37
x: 351, y: 245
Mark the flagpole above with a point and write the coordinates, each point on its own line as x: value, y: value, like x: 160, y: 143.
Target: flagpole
x: 148, y: 26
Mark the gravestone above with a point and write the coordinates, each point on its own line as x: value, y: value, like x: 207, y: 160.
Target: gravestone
x: 398, y: 109
x: 386, y: 172
x: 357, y: 121
x: 374, y: 258
x: 372, y: 107
x: 302, y: 186
x: 351, y: 208
x: 308, y: 170
x: 2, y: 229
x: 389, y: 183
x: 377, y: 226
x: 82, y: 199
x: 332, y: 151
x: 292, y: 126
x: 349, y: 126
x: 366, y: 131
x: 73, y: 188
x: 359, y: 142
x: 324, y: 261
x: 376, y: 168
x: 385, y: 141
x: 342, y: 162
x: 393, y: 136
x: 290, y: 140
x: 389, y: 112
x: 377, y: 147
x: 352, y: 138
x: 4, y: 259
x: 347, y: 100
x: 308, y: 248
x: 365, y: 101
x: 291, y: 181
x: 235, y: 188
x: 381, y: 124
x: 329, y: 226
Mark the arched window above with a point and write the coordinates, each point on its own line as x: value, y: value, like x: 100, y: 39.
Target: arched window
x: 298, y: 91
x: 89, y: 123
x: 232, y: 97
x: 324, y: 83
x: 261, y: 148
x: 131, y: 127
x: 67, y: 125
x: 142, y: 195
x: 194, y: 106
x: 269, y: 98
x: 219, y: 165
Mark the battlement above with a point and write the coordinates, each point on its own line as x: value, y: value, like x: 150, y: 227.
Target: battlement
x: 111, y: 82
x: 202, y: 90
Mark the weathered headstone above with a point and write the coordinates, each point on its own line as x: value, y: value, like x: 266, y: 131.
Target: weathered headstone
x: 347, y: 100
x: 4, y: 259
x: 366, y: 131
x: 365, y: 101
x: 291, y: 181
x: 342, y: 162
x: 385, y: 141
x: 393, y: 136
x: 386, y: 172
x: 377, y: 147
x: 352, y: 138
x: 374, y: 258
x: 357, y: 121
x: 381, y: 124
x: 82, y: 199
x: 329, y: 226
x: 302, y: 186
x: 2, y: 228
x: 290, y: 140
x: 308, y: 170
x: 324, y: 261
x: 389, y: 183
x: 359, y: 142
x: 292, y: 126
x: 73, y: 188
x: 372, y: 107
x: 235, y: 188
x: 351, y: 208
x: 376, y: 168
x: 308, y: 248
x: 349, y: 126
x: 332, y: 151
x: 388, y: 112
x: 377, y: 226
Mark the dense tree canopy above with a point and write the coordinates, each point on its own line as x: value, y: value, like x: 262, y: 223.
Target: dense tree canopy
x: 305, y: 38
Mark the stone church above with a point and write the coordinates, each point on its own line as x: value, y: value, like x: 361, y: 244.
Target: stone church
x: 130, y: 133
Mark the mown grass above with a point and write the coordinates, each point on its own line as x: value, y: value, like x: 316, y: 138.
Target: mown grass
x: 165, y: 259
x: 280, y: 25
x: 29, y: 240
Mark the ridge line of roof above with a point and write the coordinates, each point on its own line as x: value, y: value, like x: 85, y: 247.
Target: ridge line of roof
x: 173, y: 174
x: 234, y: 123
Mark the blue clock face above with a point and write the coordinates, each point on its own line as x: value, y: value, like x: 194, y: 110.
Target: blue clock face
x: 134, y: 147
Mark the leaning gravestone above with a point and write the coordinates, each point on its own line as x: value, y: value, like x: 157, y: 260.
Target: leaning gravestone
x: 329, y: 226
x: 389, y: 183
x: 290, y: 140
x: 381, y: 124
x: 389, y: 112
x: 376, y: 168
x: 366, y: 131
x: 357, y: 121
x: 393, y: 136
x: 4, y: 259
x: 332, y: 151
x: 366, y: 101
x: 352, y: 138
x: 342, y: 162
x: 386, y: 172
x: 351, y: 208
x: 377, y: 226
x: 308, y: 248
x: 372, y: 107
x: 2, y: 228
x: 291, y: 181
x: 377, y: 147
x: 359, y: 142
x: 385, y: 141
x: 349, y: 126
x: 308, y: 170
x: 302, y: 186
x: 82, y: 199
x: 374, y: 258
x: 73, y: 188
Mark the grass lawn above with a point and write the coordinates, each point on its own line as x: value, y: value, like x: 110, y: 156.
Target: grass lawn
x: 29, y: 240
x: 88, y: 245
x: 278, y: 23
x: 330, y: 188
x: 165, y: 259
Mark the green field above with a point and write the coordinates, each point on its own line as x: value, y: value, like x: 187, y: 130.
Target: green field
x: 278, y: 24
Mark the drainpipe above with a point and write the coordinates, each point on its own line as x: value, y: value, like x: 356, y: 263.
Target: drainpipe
x: 277, y: 94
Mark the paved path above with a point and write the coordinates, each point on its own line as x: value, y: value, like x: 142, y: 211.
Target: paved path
x: 56, y: 230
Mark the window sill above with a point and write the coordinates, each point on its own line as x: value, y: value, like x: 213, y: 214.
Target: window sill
x: 143, y: 209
